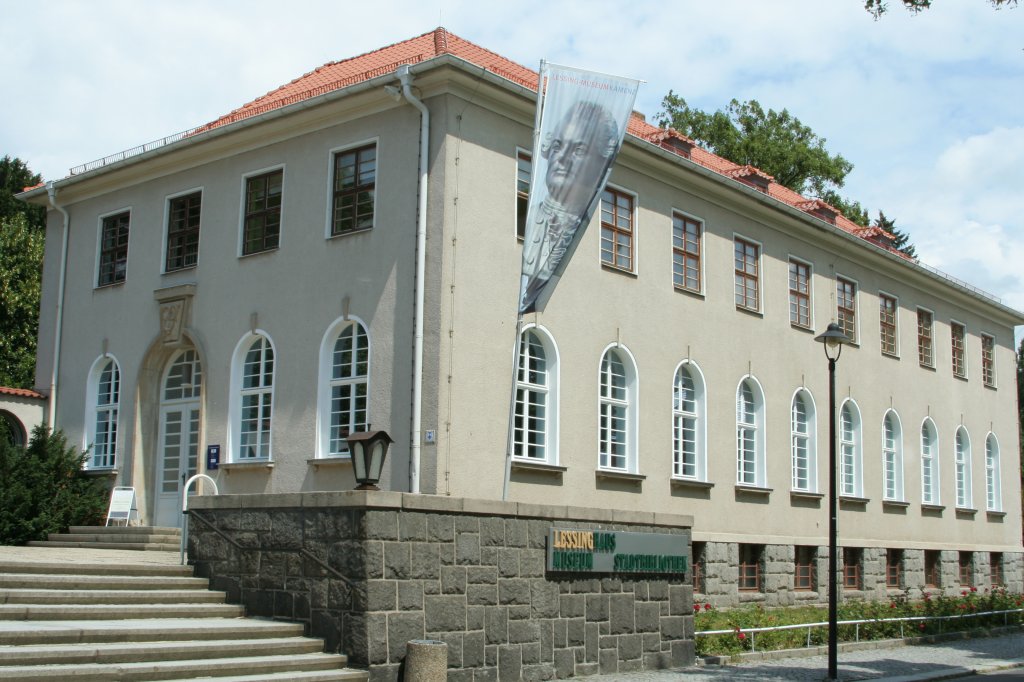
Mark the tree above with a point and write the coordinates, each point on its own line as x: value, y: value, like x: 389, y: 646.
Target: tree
x: 773, y: 141
x: 879, y: 7
x: 21, y: 263
x: 14, y: 177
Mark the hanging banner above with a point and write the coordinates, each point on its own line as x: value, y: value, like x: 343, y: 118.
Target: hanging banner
x: 583, y: 118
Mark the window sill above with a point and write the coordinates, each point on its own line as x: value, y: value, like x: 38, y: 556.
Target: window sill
x: 992, y: 514
x: 258, y: 253
x: 930, y: 368
x: 853, y: 499
x: 806, y: 494
x: 108, y: 285
x: 620, y: 475
x: 178, y: 271
x: 330, y: 462
x: 543, y: 467
x: 697, y: 293
x: 247, y: 466
x: 961, y: 377
x: 749, y: 311
x: 800, y: 328
x: 753, y: 489
x: 891, y: 356
x: 935, y: 508
x: 895, y: 503
x: 349, y: 233
x: 690, y: 483
x: 616, y: 268
x: 991, y: 387
x: 966, y: 511
x: 100, y: 472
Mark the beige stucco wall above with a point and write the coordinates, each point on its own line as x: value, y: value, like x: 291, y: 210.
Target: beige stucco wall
x: 22, y: 412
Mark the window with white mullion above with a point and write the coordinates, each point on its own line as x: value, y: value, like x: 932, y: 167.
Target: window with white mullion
x: 892, y: 457
x: 350, y: 361
x: 962, y: 453
x: 684, y: 425
x: 929, y: 464
x: 992, y: 488
x: 108, y: 398
x: 614, y: 413
x: 849, y: 457
x: 256, y: 400
x: 532, y: 395
x: 801, y: 433
x: 746, y: 436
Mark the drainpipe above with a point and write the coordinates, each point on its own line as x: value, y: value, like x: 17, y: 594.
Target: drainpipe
x: 51, y: 418
x: 405, y: 78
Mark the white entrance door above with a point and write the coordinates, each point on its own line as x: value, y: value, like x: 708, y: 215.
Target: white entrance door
x: 179, y: 434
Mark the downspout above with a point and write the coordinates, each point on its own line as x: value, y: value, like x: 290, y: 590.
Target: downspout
x: 51, y: 417
x: 405, y: 78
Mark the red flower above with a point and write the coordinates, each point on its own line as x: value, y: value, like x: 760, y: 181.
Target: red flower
x: 964, y: 593
x: 696, y: 608
x: 920, y: 626
x: 892, y: 605
x: 741, y: 636
x: 974, y: 589
x: 707, y: 607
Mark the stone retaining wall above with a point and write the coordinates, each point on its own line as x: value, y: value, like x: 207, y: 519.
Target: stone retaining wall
x: 369, y: 571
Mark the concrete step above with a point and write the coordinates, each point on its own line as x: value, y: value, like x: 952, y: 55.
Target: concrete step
x: 344, y: 675
x: 121, y: 530
x: 43, y: 581
x: 95, y: 568
x: 120, y: 538
x: 139, y: 546
x: 109, y: 611
x: 77, y: 596
x: 165, y: 670
x: 135, y: 652
x: 143, y: 630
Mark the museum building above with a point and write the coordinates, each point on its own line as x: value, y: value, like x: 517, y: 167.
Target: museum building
x: 343, y: 254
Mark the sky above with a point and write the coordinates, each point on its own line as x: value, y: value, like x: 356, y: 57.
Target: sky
x: 929, y: 107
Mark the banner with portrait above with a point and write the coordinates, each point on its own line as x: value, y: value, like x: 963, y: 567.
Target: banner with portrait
x: 581, y: 124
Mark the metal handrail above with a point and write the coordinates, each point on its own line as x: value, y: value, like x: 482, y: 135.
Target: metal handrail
x: 184, y: 509
x: 856, y: 623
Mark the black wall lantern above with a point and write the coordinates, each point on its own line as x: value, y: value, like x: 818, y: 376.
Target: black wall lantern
x: 368, y: 450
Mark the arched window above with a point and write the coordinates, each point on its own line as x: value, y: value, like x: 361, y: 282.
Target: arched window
x: 750, y: 465
x: 252, y: 397
x: 962, y: 452
x: 617, y: 411
x: 851, y: 479
x: 12, y: 429
x: 344, y: 386
x: 892, y: 456
x: 804, y: 442
x: 102, y: 406
x: 929, y: 463
x: 993, y: 492
x: 689, y: 458
x: 536, y: 418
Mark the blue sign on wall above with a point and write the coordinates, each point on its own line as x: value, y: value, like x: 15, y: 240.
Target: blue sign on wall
x: 212, y: 457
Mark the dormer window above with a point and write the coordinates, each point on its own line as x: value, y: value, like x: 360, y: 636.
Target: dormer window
x: 673, y: 141
x: 754, y: 177
x: 819, y: 209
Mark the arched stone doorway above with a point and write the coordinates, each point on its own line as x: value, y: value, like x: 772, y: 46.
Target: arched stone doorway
x: 177, y: 445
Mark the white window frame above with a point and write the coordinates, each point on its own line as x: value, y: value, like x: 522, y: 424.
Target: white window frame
x: 235, y: 400
x: 993, y: 482
x: 550, y: 392
x: 326, y: 384
x: 166, y: 228
x: 760, y: 274
x: 93, y: 408
x: 857, y: 317
x: 241, y: 210
x: 632, y: 412
x: 757, y: 426
x: 701, y: 260
x: 895, y: 452
x: 851, y: 451
x: 896, y: 323
x: 699, y: 417
x: 930, y: 487
x: 810, y: 439
x: 962, y: 468
x: 329, y: 208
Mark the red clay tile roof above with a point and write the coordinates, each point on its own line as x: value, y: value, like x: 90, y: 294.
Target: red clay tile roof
x: 21, y: 393
x: 748, y: 170
x: 336, y: 75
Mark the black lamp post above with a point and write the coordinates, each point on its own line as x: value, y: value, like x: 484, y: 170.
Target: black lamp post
x: 368, y: 450
x: 833, y: 339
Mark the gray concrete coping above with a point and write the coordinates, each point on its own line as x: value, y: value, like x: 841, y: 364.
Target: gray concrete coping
x: 396, y: 501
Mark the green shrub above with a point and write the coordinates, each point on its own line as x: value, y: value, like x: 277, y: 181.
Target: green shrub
x: 44, y: 490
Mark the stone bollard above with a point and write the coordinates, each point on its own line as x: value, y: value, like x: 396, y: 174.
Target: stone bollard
x: 426, y: 660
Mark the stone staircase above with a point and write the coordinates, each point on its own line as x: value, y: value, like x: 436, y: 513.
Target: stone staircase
x: 115, y: 537
x: 109, y: 619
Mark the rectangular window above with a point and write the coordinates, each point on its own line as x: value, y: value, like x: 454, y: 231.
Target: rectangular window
x: 932, y: 572
x: 851, y: 568
x: 687, y: 234
x: 114, y: 249
x: 617, y: 229
x: 846, y: 307
x: 957, y: 334
x: 925, y: 348
x: 747, y: 271
x: 887, y: 323
x: 262, y: 229
x: 805, y: 560
x: 698, y: 550
x: 183, y: 231
x: 995, y: 568
x: 894, y: 569
x: 355, y: 182
x: 988, y: 360
x: 966, y: 569
x: 799, y: 294
x: 750, y: 568
x: 524, y: 162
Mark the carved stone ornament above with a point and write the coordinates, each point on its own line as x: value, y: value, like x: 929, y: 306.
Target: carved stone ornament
x: 175, y: 304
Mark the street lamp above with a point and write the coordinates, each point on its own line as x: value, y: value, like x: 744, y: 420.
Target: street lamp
x: 368, y: 448
x: 833, y: 340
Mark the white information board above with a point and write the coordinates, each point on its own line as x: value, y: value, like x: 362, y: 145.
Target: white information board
x: 122, y: 504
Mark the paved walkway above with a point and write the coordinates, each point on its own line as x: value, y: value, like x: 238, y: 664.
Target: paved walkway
x: 948, y: 660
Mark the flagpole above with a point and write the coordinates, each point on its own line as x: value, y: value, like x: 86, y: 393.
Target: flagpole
x: 510, y: 440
